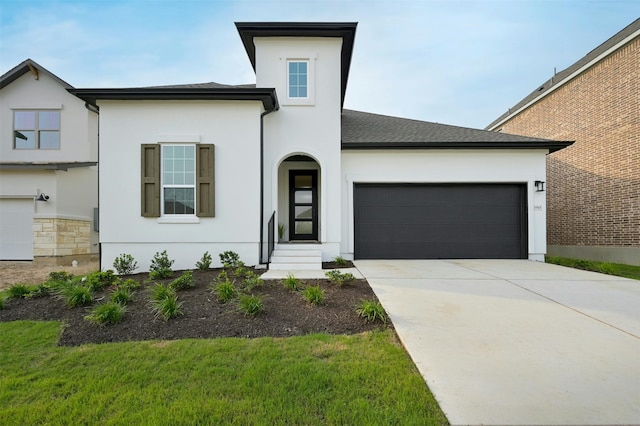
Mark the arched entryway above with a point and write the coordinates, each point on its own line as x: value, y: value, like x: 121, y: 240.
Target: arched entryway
x: 299, y: 199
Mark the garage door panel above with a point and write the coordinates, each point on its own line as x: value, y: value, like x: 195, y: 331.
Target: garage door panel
x: 16, y: 229
x: 439, y: 221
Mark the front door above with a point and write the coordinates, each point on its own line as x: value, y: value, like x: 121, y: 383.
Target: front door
x: 303, y: 204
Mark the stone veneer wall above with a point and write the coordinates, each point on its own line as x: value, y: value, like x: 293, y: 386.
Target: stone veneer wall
x: 61, y: 237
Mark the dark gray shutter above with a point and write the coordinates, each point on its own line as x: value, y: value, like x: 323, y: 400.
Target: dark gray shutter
x: 205, y: 182
x: 150, y: 190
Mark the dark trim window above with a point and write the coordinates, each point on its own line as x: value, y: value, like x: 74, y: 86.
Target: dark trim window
x: 36, y: 129
x: 177, y: 180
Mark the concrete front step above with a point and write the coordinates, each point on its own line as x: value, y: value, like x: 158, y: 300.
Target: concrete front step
x: 315, y: 266
x: 287, y: 257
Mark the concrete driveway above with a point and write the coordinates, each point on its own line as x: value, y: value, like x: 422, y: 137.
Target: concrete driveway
x: 515, y: 341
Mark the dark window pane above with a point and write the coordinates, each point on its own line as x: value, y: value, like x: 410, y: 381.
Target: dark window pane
x: 304, y: 212
x: 304, y: 228
x: 303, y: 181
x: 303, y: 197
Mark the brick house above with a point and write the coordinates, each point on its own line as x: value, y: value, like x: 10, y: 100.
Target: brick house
x: 593, y: 186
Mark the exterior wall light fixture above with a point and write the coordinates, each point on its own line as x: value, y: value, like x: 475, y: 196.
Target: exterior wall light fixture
x: 42, y: 197
x: 539, y: 185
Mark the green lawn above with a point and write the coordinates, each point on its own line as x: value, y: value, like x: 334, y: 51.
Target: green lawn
x: 618, y: 269
x: 316, y: 379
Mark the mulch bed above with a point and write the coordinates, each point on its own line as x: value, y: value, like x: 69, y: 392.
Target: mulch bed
x: 286, y: 313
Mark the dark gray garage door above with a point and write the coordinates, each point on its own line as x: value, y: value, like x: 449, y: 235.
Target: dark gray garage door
x: 409, y: 221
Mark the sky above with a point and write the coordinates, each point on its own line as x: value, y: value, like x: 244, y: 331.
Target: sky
x: 447, y: 61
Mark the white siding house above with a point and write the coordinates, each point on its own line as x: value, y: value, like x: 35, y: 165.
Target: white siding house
x: 48, y: 172
x: 212, y: 167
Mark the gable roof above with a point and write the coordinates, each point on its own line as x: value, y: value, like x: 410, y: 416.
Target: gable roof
x: 625, y: 36
x: 29, y: 65
x: 344, y: 30
x: 362, y: 130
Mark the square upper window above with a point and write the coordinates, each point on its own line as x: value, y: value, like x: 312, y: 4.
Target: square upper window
x: 298, y: 79
x: 36, y: 129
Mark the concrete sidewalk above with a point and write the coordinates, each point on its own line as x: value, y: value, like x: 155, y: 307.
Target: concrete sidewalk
x: 515, y: 341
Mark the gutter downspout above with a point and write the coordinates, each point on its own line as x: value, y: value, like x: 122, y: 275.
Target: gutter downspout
x: 261, y: 253
x: 96, y: 110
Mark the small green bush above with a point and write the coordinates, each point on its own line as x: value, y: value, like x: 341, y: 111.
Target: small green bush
x: 241, y: 271
x: 313, y: 295
x: 340, y: 261
x: 606, y: 268
x: 161, y: 266
x: 107, y: 313
x: 183, y: 282
x: 222, y: 276
x: 39, y: 290
x: 125, y: 264
x: 250, y: 305
x: 160, y: 291
x: 292, y: 283
x: 60, y: 276
x: 339, y: 278
x: 252, y: 280
x: 98, y: 280
x: 18, y: 291
x: 205, y: 262
x: 229, y: 259
x: 2, y: 296
x: 225, y: 291
x: 168, y: 307
x: 128, y: 284
x: 121, y: 296
x: 371, y: 311
x: 76, y: 295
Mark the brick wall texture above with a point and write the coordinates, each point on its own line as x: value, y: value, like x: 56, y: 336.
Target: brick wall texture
x: 61, y: 237
x: 593, y: 186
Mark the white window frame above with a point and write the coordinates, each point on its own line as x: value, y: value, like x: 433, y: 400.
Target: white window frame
x: 177, y: 217
x: 36, y: 130
x: 310, y: 98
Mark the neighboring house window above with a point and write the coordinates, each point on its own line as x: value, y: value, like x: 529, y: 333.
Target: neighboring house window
x: 177, y: 180
x: 36, y: 129
x: 298, y: 79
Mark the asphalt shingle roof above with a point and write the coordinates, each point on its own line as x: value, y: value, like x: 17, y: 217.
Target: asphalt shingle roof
x: 366, y: 130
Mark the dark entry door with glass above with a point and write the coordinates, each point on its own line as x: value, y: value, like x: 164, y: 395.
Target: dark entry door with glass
x: 303, y: 204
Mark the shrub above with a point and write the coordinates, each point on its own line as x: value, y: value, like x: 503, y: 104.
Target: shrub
x: 222, y: 276
x: 121, y: 296
x: 251, y: 305
x: 168, y: 307
x: 205, y: 262
x: 339, y: 278
x: 340, y: 261
x: 313, y: 295
x: 225, y: 291
x: 252, y: 280
x: 587, y: 265
x: 40, y: 290
x: 159, y: 292
x: 371, y: 311
x: 60, y: 276
x: 107, y: 313
x: 128, y: 284
x: 2, y: 296
x: 183, y: 282
x: 292, y: 283
x: 241, y: 271
x: 161, y: 266
x: 18, y: 291
x: 76, y: 295
x: 98, y: 280
x: 229, y: 259
x: 125, y: 264
x: 606, y: 268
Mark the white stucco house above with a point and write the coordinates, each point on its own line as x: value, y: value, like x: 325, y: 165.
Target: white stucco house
x: 212, y: 167
x: 48, y: 168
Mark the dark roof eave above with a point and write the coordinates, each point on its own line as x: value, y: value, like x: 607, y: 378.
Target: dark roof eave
x: 552, y: 146
x: 47, y: 166
x: 267, y: 96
